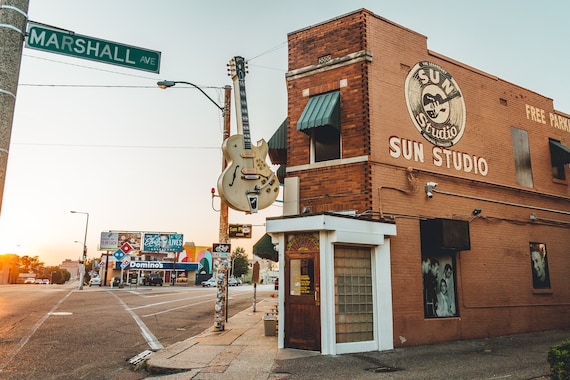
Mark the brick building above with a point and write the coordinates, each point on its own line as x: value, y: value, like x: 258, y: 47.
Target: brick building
x: 425, y: 200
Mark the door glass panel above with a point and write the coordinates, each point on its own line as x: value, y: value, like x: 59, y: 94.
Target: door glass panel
x: 302, y: 277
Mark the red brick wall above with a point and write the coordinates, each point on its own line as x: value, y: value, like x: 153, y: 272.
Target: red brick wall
x: 493, y: 279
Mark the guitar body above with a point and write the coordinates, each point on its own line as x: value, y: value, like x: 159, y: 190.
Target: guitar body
x: 247, y: 173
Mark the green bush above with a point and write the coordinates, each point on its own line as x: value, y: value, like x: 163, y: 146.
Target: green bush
x: 559, y: 360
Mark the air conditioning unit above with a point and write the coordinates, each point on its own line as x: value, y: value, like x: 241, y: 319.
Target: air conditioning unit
x: 444, y: 234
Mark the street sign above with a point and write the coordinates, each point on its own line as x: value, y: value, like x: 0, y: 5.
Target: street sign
x: 221, y: 250
x: 240, y: 231
x: 95, y: 49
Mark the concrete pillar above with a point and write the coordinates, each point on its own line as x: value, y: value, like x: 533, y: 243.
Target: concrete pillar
x: 13, y: 20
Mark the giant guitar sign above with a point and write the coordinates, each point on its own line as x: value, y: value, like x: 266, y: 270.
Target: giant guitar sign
x: 247, y: 184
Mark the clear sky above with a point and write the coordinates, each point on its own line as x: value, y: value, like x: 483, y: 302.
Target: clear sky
x: 105, y: 140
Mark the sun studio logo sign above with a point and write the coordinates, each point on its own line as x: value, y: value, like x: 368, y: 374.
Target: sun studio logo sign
x: 435, y: 104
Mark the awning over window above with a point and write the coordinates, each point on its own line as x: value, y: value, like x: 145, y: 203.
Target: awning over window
x: 265, y: 249
x: 560, y: 154
x: 321, y: 110
x: 279, y: 139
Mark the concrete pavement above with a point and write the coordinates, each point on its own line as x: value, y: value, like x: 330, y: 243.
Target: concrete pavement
x: 243, y: 351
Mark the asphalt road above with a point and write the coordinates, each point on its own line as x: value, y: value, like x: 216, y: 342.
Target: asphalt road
x: 59, y: 332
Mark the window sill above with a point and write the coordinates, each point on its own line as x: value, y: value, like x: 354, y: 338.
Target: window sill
x: 560, y: 181
x: 542, y: 291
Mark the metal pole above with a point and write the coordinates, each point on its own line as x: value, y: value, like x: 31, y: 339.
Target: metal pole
x: 106, y: 265
x: 84, y: 256
x: 13, y: 20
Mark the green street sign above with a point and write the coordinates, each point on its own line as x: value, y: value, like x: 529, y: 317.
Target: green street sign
x: 75, y: 45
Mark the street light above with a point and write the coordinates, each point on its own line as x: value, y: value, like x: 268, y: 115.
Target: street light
x: 169, y: 83
x: 84, y: 256
x: 223, y: 228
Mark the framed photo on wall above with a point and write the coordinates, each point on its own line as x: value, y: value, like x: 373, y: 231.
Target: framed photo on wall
x: 539, y: 266
x: 440, y: 299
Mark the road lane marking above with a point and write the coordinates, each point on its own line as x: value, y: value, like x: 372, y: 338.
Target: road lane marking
x: 212, y: 301
x: 145, y: 332
x: 165, y: 302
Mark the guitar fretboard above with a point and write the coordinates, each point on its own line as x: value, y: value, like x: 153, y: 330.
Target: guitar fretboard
x: 244, y: 115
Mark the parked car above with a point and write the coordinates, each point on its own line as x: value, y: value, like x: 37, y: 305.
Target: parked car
x: 232, y: 281
x: 209, y: 282
x: 38, y: 281
x: 153, y: 279
x: 95, y: 281
x: 30, y: 280
x: 45, y: 281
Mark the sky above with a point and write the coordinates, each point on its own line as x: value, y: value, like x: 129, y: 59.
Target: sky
x: 105, y: 140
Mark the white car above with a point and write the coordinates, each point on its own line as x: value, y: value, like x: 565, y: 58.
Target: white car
x: 210, y: 282
x: 30, y: 280
x: 95, y: 281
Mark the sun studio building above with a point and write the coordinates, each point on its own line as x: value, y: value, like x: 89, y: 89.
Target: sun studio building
x: 424, y: 200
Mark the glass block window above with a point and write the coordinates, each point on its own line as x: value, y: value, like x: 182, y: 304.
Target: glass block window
x: 354, y: 312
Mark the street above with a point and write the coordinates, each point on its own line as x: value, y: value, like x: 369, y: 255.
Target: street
x: 59, y: 332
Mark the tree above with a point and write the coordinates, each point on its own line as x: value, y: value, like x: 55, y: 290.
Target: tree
x: 240, y: 263
x: 58, y: 275
x: 30, y: 264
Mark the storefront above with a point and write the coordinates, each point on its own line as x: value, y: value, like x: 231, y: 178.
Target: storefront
x: 170, y: 272
x: 424, y: 200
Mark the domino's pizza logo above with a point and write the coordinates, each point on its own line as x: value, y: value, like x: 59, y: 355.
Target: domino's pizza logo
x: 435, y: 104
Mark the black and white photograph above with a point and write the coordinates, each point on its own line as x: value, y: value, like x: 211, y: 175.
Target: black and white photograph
x: 539, y: 263
x: 439, y: 286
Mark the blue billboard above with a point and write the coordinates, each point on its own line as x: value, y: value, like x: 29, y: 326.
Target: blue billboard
x: 163, y: 242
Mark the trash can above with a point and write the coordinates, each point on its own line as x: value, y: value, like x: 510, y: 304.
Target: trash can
x: 269, y: 323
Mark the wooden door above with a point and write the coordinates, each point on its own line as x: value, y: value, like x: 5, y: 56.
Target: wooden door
x: 302, y: 293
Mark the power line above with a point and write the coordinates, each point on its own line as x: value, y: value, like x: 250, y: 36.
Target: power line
x: 119, y: 146
x: 271, y: 50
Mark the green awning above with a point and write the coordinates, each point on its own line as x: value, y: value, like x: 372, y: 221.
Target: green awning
x: 560, y: 154
x: 264, y: 248
x: 321, y: 110
x: 279, y: 139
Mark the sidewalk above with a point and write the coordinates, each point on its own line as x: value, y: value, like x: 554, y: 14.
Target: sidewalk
x: 243, y: 351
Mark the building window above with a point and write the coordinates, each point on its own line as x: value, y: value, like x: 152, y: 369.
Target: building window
x: 325, y: 144
x: 354, y: 300
x: 439, y: 286
x: 559, y: 157
x: 320, y: 120
x: 521, y: 151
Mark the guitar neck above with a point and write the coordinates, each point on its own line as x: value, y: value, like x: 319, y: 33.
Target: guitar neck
x: 242, y: 115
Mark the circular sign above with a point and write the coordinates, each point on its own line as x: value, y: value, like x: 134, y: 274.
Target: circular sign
x: 435, y: 104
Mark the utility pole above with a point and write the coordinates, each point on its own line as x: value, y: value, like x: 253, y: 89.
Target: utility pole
x: 224, y: 227
x: 222, y: 302
x: 13, y: 21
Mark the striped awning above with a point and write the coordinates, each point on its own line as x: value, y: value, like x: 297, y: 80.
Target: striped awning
x: 321, y: 110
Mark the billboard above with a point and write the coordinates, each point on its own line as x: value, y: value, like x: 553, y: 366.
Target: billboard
x: 112, y: 240
x: 163, y: 242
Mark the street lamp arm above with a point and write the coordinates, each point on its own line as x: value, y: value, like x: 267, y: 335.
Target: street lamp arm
x: 169, y: 83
